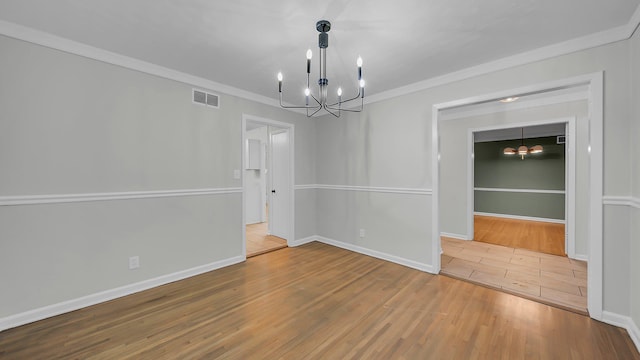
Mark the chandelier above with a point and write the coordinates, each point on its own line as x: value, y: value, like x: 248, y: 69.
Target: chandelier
x: 315, y: 103
x: 522, y: 149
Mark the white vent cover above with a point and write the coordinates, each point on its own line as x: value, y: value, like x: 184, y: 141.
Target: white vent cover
x: 561, y: 139
x: 205, y: 98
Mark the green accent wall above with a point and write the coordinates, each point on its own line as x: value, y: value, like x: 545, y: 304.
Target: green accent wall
x: 544, y: 171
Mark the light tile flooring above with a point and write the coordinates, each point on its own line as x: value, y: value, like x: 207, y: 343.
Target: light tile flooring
x: 550, y: 279
x: 258, y: 242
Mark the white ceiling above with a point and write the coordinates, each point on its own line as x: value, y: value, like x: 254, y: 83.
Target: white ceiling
x: 244, y: 43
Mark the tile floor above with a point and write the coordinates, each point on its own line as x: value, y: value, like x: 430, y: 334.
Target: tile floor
x: 550, y: 279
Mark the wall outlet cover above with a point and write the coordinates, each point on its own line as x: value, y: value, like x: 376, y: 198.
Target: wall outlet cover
x: 134, y: 262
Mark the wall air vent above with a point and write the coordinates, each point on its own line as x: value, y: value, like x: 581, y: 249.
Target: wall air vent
x: 205, y: 98
x: 561, y: 139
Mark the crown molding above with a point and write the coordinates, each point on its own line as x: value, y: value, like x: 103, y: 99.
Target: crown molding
x: 612, y: 35
x: 42, y: 38
x: 582, y: 43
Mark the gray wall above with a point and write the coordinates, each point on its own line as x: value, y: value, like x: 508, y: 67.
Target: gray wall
x: 389, y: 144
x: 544, y: 171
x: 72, y: 125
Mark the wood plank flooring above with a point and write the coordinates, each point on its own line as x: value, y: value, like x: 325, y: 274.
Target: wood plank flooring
x: 258, y: 242
x: 523, y: 234
x: 318, y: 302
x: 550, y: 279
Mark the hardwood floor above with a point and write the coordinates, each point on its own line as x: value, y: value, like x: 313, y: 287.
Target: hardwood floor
x: 318, y: 302
x: 531, y: 235
x: 550, y: 279
x: 258, y: 242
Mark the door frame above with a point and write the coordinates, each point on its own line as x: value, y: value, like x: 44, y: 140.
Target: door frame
x: 288, y: 127
x: 569, y: 168
x: 595, y: 84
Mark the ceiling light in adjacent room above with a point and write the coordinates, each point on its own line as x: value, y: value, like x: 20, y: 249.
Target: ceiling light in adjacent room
x: 523, y: 149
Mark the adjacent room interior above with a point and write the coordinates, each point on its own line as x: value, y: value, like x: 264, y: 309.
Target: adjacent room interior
x: 258, y: 189
x: 519, y: 216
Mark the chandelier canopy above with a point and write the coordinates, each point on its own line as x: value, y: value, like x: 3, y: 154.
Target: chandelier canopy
x: 317, y: 102
x: 522, y: 149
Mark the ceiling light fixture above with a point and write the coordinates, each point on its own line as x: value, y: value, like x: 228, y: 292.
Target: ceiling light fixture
x: 522, y: 149
x: 320, y: 102
x: 509, y: 99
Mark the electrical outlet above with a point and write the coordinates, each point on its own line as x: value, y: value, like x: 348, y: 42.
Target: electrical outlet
x: 236, y: 174
x: 134, y: 262
x: 361, y: 233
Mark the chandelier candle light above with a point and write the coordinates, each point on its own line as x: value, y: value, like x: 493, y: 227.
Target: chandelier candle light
x: 522, y: 149
x: 320, y: 102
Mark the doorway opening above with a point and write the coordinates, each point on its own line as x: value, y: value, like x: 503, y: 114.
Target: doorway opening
x: 267, y: 185
x: 522, y: 214
x: 588, y: 193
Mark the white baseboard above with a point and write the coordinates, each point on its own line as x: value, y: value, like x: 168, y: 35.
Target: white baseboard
x: 581, y: 257
x: 85, y: 301
x: 518, y: 217
x: 624, y: 322
x: 377, y: 254
x: 302, y: 241
x: 455, y: 236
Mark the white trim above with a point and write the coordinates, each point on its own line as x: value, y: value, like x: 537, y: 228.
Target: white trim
x: 624, y: 322
x: 586, y: 42
x: 127, y: 195
x: 306, y: 187
x: 455, y: 236
x: 519, y: 105
x: 596, y: 171
x: 290, y: 128
x: 103, y: 296
x: 536, y: 191
x: 377, y: 254
x: 520, y: 217
x: 621, y: 201
x: 377, y: 189
x: 581, y: 257
x: 303, y: 241
x: 72, y: 47
x: 595, y: 271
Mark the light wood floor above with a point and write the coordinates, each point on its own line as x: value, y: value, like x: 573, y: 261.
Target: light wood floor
x: 550, y: 279
x: 258, y: 242
x: 532, y: 235
x: 318, y: 302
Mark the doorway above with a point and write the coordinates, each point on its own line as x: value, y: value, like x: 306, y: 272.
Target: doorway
x: 267, y: 185
x: 591, y: 193
x: 529, y: 205
x: 519, y: 214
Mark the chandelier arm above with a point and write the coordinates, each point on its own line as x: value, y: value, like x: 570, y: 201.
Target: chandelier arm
x: 297, y: 107
x: 315, y: 112
x: 316, y: 100
x: 345, y: 101
x: 327, y: 109
x: 349, y: 110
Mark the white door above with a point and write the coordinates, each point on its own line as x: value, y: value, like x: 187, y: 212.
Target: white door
x: 279, y: 204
